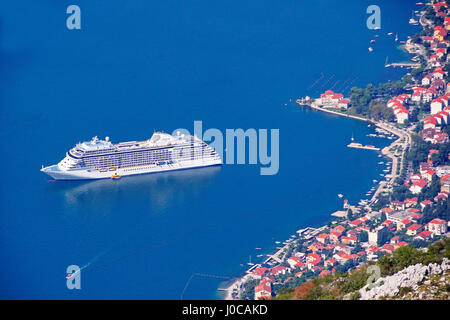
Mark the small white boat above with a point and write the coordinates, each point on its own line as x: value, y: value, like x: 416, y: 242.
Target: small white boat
x: 370, y: 49
x: 340, y: 195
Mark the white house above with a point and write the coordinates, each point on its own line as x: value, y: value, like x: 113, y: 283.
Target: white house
x: 436, y: 106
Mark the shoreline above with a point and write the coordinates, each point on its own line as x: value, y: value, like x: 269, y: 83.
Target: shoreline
x: 312, y: 105
x: 236, y: 285
x: 385, y: 126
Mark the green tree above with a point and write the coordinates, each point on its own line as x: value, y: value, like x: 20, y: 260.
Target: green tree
x: 380, y: 111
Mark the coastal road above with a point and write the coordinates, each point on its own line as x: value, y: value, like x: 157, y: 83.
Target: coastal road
x: 404, y: 141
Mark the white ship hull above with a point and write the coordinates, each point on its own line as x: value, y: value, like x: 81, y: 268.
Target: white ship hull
x: 86, y: 174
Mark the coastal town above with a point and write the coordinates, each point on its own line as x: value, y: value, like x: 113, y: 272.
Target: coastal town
x: 410, y: 205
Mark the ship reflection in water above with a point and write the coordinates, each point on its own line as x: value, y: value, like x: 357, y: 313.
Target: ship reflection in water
x: 159, y: 188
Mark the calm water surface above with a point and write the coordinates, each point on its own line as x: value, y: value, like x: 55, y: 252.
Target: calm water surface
x: 136, y: 66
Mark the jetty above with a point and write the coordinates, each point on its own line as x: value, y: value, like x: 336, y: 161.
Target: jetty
x: 403, y: 65
x: 403, y: 141
x: 360, y: 146
x: 308, y: 102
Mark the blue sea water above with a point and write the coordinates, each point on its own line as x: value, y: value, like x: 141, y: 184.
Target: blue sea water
x: 136, y: 66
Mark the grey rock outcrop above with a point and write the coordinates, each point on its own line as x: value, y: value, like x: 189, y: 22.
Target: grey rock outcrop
x: 410, y: 277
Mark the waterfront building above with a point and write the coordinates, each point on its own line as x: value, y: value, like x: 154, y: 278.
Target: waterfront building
x: 429, y: 174
x: 348, y: 239
x: 399, y: 217
x: 334, y: 236
x: 442, y: 170
x: 414, y: 229
x: 388, y: 248
x: 436, y: 106
x: 263, y: 290
x: 410, y: 202
x: 323, y: 238
x: 418, y: 186
x: 429, y: 95
x: 437, y: 226
x: 279, y: 270
x: 445, y: 187
x: 377, y: 235
x: 395, y: 240
x: 258, y: 273
x: 331, y: 99
x: 295, y: 262
x: 426, y: 80
x: 425, y: 203
x: 401, y: 115
x: 424, y: 235
x: 330, y: 262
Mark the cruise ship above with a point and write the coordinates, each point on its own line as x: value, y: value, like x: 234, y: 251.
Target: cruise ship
x: 101, y: 159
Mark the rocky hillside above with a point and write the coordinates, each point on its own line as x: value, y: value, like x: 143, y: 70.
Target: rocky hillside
x: 418, y: 281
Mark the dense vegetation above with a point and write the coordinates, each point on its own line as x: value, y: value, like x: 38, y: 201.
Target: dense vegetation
x: 371, y: 101
x: 407, y: 256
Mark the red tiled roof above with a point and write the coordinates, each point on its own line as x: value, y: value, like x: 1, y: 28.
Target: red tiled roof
x: 415, y: 226
x: 335, y: 233
x: 437, y: 221
x: 260, y: 271
x: 264, y: 285
x: 356, y: 222
x: 278, y: 269
x: 314, y: 262
x: 425, y: 234
x: 313, y: 255
x: 417, y: 216
x: 324, y: 273
x: 401, y: 244
x: 420, y: 183
x: 408, y: 200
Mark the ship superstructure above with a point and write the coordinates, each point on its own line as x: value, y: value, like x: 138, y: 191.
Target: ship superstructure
x: 97, y: 159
